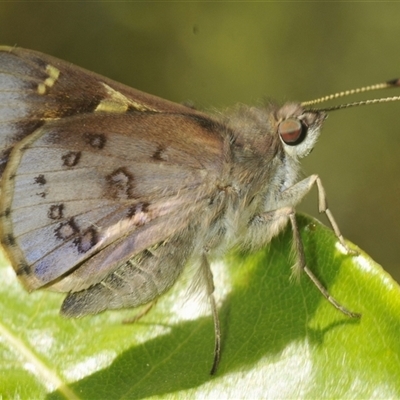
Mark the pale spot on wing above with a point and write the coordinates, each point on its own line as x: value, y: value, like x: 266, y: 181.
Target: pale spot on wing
x: 123, y: 226
x: 66, y: 229
x: 56, y: 211
x: 53, y: 74
x: 116, y: 102
x: 111, y: 106
x: 139, y: 213
x: 86, y: 241
x: 71, y: 159
x: 120, y: 184
x: 41, y: 88
x: 96, y: 141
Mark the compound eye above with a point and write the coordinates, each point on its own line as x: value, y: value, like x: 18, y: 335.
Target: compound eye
x: 292, y: 131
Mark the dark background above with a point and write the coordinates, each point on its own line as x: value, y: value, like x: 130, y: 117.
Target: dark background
x: 219, y: 53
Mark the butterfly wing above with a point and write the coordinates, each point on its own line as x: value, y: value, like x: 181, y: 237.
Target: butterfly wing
x: 94, y: 172
x: 36, y: 87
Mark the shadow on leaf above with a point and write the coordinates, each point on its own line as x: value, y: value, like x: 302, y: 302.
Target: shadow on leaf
x: 261, y: 316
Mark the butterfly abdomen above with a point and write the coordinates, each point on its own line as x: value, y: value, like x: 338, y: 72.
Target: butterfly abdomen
x: 136, y: 282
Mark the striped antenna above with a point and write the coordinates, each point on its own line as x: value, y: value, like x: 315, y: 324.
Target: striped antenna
x: 387, y: 85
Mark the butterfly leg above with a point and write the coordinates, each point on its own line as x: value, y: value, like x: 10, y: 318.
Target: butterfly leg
x: 294, y: 194
x: 323, y: 208
x: 209, y: 281
x: 140, y: 314
x: 301, y: 262
x: 288, y: 199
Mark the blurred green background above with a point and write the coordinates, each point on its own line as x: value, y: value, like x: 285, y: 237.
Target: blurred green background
x: 219, y: 53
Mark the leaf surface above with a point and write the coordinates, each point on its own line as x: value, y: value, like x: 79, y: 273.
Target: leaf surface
x: 281, y: 338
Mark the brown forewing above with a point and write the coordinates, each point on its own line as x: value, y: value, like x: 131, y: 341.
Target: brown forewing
x: 36, y: 87
x: 95, y: 171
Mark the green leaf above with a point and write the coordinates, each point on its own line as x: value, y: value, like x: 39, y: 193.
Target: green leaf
x: 281, y: 338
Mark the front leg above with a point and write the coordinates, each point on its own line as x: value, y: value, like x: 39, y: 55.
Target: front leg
x: 273, y: 221
x: 294, y: 194
x: 302, y: 266
x: 208, y: 279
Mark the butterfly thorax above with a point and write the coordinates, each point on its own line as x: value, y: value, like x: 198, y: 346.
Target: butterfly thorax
x: 263, y: 167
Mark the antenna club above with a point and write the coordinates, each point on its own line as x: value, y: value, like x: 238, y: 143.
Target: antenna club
x: 393, y: 82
